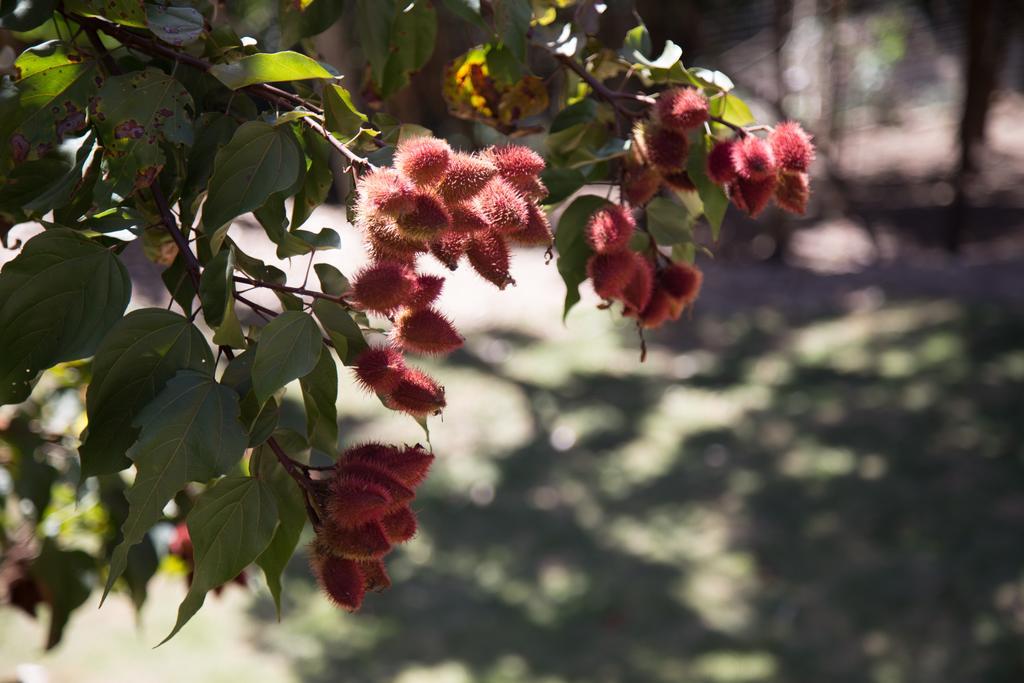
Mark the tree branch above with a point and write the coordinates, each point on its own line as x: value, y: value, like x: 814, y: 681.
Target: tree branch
x: 302, y: 291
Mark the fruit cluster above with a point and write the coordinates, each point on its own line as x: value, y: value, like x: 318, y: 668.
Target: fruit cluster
x: 366, y: 511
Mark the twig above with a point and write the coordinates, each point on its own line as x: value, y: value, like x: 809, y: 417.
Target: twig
x: 302, y: 291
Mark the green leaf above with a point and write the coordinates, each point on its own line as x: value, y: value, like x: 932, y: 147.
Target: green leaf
x: 142, y: 352
x: 268, y: 67
x: 189, y: 432
x: 637, y: 40
x: 260, y: 160
x: 179, y: 285
x: 732, y: 109
x: 467, y: 10
x: 512, y: 23
x: 320, y: 396
x: 133, y: 114
x: 58, y: 298
x: 78, y: 154
x: 561, y: 183
x: 231, y: 524
x: 583, y: 111
x: 342, y: 117
x: 668, y: 58
x: 713, y: 197
x: 344, y: 333
x: 332, y: 281
x: 229, y: 333
x: 668, y: 222
x: 213, y: 130
x: 572, y: 247
x: 143, y: 563
x: 411, y: 42
x: 174, y: 24
x: 373, y: 25
x: 25, y: 15
x: 127, y: 12
x: 67, y: 577
x: 217, y: 287
x: 317, y: 181
x: 289, y: 348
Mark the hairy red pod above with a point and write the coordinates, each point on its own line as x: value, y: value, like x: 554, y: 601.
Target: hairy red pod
x: 449, y: 248
x: 465, y: 176
x: 428, y: 289
x: 368, y: 541
x: 681, y: 108
x: 379, y: 369
x: 427, y: 219
x: 752, y: 196
x: 503, y: 206
x: 640, y: 184
x: 424, y: 330
x: 666, y: 148
x: 637, y: 292
x: 792, y: 192
x: 417, y: 394
x: 792, y: 146
x: 658, y: 309
x: 375, y: 575
x: 681, y: 282
x: 383, y: 286
x: 515, y: 161
x: 610, y: 228
x: 489, y: 255
x: 354, y: 502
x: 386, y: 242
x: 467, y: 217
x: 400, y: 525
x: 680, y: 181
x: 409, y: 465
x: 339, y: 578
x: 531, y: 187
x: 386, y: 191
x: 537, y: 232
x: 364, y: 472
x: 422, y: 160
x: 610, y: 273
x: 753, y: 159
x: 720, y: 166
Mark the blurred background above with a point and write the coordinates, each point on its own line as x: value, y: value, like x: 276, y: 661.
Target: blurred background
x: 819, y: 476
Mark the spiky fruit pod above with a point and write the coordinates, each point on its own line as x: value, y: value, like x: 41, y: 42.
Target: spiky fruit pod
x: 720, y: 166
x: 610, y: 228
x: 467, y: 217
x: 537, y: 232
x: 386, y: 242
x: 610, y: 273
x: 428, y: 289
x: 366, y: 542
x: 383, y: 286
x: 666, y: 148
x: 489, y: 255
x: 339, y: 578
x: 400, y: 525
x: 792, y: 146
x: 379, y: 251
x: 680, y: 181
x: 379, y: 369
x: 428, y: 218
x: 375, y: 575
x: 792, y: 192
x: 681, y: 108
x: 449, y: 247
x: 531, y: 187
x: 752, y: 196
x: 465, y: 176
x: 503, y: 206
x: 385, y: 191
x: 408, y: 465
x: 515, y: 161
x: 422, y: 160
x: 417, y: 394
x: 640, y: 184
x: 637, y: 292
x: 753, y: 159
x: 426, y: 331
x: 354, y: 502
x: 657, y: 310
x: 362, y: 473
x: 681, y: 282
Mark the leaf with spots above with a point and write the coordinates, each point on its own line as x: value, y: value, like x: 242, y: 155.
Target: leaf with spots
x: 126, y: 12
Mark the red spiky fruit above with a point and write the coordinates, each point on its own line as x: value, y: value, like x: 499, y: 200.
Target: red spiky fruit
x: 339, y: 578
x: 792, y: 192
x: 465, y: 176
x: 610, y: 273
x: 640, y: 184
x: 680, y: 181
x: 417, y: 394
x: 422, y: 160
x: 792, y: 146
x: 666, y: 148
x: 386, y: 191
x: 408, y: 465
x: 355, y: 502
x: 489, y: 255
x: 368, y: 541
x: 449, y: 247
x: 383, y: 286
x: 752, y: 196
x: 681, y: 108
x: 424, y: 330
x: 610, y: 228
x: 400, y: 525
x: 657, y: 310
x: 503, y: 206
x: 681, y: 282
x: 427, y: 219
x: 375, y: 575
x: 531, y: 187
x: 637, y: 292
x: 387, y: 243
x: 379, y: 369
x: 753, y: 159
x: 428, y: 289
x: 720, y: 165
x: 362, y: 473
x: 467, y: 217
x: 537, y: 232
x: 516, y: 161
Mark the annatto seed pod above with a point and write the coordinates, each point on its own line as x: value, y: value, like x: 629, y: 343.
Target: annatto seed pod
x: 339, y: 578
x: 383, y: 286
x: 428, y: 218
x: 610, y: 273
x: 752, y: 196
x: 792, y: 146
x: 792, y: 192
x: 417, y: 394
x: 657, y: 310
x: 680, y: 182
x: 385, y: 191
x: 426, y: 331
x: 408, y: 465
x: 753, y: 159
x: 467, y: 217
x: 640, y: 184
x: 531, y: 187
x: 637, y: 293
x: 428, y: 289
x: 360, y: 473
x: 400, y: 525
x: 681, y: 108
x: 465, y: 176
x: 503, y: 206
x: 610, y: 228
x: 366, y: 542
x: 379, y: 369
x: 515, y: 161
x: 681, y: 282
x: 422, y: 160
x: 537, y: 232
x: 720, y: 166
x: 449, y: 247
x: 489, y: 255
x: 375, y: 575
x: 666, y: 148
x: 353, y: 503
x: 386, y: 242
